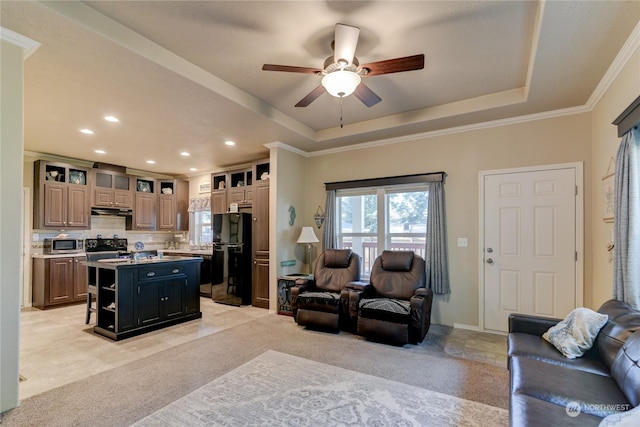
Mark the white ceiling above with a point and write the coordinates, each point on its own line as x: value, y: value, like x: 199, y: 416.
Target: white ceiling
x: 186, y: 75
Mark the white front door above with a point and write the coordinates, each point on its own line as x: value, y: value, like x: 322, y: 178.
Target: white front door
x: 530, y: 249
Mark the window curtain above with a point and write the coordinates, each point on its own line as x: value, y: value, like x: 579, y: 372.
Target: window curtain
x: 437, y: 262
x: 329, y: 240
x: 626, y: 267
x: 199, y: 204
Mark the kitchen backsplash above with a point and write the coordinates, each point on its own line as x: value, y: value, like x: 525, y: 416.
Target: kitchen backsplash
x: 110, y: 226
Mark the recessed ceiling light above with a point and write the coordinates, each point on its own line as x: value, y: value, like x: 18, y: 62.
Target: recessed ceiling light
x: 87, y: 131
x: 193, y: 169
x: 100, y: 151
x: 112, y: 119
x: 151, y: 162
x: 185, y: 154
x: 230, y: 143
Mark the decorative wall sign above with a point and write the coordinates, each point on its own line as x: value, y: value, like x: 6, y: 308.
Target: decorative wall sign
x: 205, y: 186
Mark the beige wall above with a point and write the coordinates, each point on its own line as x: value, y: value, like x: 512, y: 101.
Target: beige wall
x: 622, y: 92
x: 11, y: 147
x: 462, y: 156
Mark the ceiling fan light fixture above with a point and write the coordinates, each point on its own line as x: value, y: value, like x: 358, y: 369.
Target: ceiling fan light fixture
x: 341, y: 83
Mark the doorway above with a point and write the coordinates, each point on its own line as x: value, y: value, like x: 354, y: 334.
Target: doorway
x: 531, y: 238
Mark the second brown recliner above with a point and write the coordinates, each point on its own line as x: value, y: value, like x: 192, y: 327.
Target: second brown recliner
x: 316, y: 302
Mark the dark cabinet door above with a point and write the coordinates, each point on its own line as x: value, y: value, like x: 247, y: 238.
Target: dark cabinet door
x: 172, y: 299
x: 60, y: 280
x: 79, y: 278
x: 149, y: 294
x: 260, y: 283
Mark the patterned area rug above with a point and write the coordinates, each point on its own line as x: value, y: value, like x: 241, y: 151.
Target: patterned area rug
x: 277, y: 389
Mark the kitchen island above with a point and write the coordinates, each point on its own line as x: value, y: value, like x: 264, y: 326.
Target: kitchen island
x: 139, y: 296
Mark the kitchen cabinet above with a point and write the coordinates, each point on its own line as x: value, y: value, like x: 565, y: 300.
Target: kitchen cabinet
x: 173, y: 203
x: 240, y: 190
x: 111, y: 189
x: 134, y: 298
x: 219, y: 193
x: 260, y: 236
x: 61, y: 196
x: 146, y: 201
x: 58, y: 280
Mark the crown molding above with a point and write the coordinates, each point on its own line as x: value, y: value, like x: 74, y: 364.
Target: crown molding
x: 278, y: 144
x: 28, y: 45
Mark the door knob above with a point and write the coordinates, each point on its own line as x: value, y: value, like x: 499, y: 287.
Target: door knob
x: 489, y: 261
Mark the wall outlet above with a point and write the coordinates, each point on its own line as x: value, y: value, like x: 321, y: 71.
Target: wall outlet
x: 35, y: 237
x: 463, y: 242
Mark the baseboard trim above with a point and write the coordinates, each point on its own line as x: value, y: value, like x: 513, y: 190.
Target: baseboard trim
x: 477, y: 329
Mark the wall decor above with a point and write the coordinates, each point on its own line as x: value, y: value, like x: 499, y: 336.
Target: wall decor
x: 292, y: 215
x: 608, y: 191
x: 319, y: 217
x: 205, y: 187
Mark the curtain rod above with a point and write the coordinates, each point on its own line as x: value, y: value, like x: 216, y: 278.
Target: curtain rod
x: 392, y: 180
x: 629, y: 117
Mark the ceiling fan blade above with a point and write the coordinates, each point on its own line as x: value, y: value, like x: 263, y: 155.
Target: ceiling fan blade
x: 397, y: 65
x: 366, y: 95
x: 346, y: 40
x: 290, y: 69
x: 312, y: 96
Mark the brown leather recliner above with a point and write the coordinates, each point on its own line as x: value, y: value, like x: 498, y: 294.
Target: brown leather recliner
x: 396, y: 306
x: 316, y: 302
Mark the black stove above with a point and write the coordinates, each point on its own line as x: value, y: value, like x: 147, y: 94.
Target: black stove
x: 105, y: 245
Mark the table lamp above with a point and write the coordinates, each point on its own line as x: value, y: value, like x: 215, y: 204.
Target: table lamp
x: 307, y: 236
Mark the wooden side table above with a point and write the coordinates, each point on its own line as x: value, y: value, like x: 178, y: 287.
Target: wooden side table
x: 284, y: 292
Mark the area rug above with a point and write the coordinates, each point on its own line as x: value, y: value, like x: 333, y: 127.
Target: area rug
x: 276, y: 389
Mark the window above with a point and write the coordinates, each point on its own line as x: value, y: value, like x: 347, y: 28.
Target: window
x: 200, y: 232
x: 374, y: 219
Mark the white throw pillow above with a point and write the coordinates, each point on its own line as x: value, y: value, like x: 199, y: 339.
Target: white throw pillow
x: 622, y: 419
x: 576, y: 333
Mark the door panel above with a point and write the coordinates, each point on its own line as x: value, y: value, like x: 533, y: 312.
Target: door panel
x: 530, y: 245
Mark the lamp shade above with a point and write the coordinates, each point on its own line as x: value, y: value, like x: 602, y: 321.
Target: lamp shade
x: 341, y: 83
x: 307, y: 236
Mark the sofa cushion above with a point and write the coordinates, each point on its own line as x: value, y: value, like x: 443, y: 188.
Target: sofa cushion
x: 626, y: 369
x: 529, y: 411
x: 388, y: 309
x: 337, y: 258
x: 319, y: 301
x: 534, y: 347
x: 624, y: 419
x: 596, y: 394
x: 623, y: 322
x: 397, y: 260
x: 577, y: 332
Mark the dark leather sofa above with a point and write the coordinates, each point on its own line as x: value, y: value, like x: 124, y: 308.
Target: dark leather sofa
x: 605, y: 380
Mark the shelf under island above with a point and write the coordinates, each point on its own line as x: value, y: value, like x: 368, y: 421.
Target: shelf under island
x: 135, y: 297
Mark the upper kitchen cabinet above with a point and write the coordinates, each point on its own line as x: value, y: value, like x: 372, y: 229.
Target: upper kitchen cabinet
x: 240, y: 190
x: 173, y: 203
x: 61, y: 196
x: 219, y: 193
x: 111, y: 189
x: 145, y: 200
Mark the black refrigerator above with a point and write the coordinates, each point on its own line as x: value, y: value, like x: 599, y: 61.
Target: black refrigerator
x: 231, y: 264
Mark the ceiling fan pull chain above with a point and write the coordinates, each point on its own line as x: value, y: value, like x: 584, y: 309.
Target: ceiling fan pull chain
x: 340, y: 112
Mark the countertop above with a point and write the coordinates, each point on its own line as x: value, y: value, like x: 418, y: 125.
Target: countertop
x: 115, y: 263
x: 57, y: 255
x: 198, y: 252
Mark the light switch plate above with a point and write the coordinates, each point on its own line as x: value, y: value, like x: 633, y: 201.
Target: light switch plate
x: 463, y: 242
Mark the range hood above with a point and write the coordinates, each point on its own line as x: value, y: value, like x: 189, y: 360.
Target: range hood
x: 111, y: 212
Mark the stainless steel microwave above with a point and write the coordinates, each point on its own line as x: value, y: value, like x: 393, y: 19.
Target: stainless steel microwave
x: 62, y: 245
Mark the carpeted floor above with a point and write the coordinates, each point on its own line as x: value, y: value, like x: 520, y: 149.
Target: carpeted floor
x: 276, y: 389
x: 124, y: 395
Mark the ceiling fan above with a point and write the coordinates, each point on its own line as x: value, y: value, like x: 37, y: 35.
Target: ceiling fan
x: 342, y: 73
